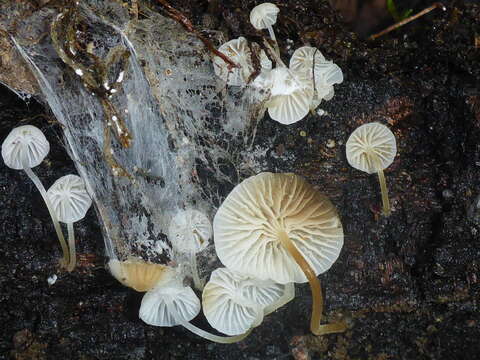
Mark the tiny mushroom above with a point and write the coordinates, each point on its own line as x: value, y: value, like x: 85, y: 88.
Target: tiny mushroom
x: 263, y: 16
x: 138, y: 274
x: 372, y: 148
x: 321, y: 73
x: 70, y: 201
x: 189, y: 232
x: 234, y: 304
x: 290, y: 96
x: 24, y: 148
x: 278, y: 227
x: 239, y: 51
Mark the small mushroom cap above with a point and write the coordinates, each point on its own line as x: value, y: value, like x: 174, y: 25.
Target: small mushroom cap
x: 189, y: 231
x: 326, y: 72
x: 238, y: 50
x: 371, y: 147
x: 247, y: 226
x: 25, y: 143
x: 290, y: 97
x: 264, y: 15
x: 233, y: 303
x: 138, y: 274
x: 69, y: 198
x: 169, y: 304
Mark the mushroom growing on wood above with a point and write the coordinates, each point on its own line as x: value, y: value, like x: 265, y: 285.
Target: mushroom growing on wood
x: 189, y: 232
x: 290, y: 96
x: 372, y: 148
x: 264, y: 16
x: 70, y: 201
x: 235, y: 304
x: 24, y: 148
x: 322, y: 74
x: 278, y: 227
x: 239, y: 51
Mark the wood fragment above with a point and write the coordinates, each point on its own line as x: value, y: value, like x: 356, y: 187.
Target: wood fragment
x: 187, y: 24
x: 407, y: 20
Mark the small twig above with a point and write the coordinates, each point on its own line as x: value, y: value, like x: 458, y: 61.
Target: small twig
x: 182, y: 19
x: 407, y: 20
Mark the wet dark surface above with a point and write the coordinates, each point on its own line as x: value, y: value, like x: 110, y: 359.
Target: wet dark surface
x: 407, y: 285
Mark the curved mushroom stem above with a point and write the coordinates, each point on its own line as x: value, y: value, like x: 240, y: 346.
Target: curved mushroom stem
x: 71, y: 245
x: 383, y: 188
x: 65, y: 260
x: 215, y: 338
x: 197, y: 282
x: 317, y: 304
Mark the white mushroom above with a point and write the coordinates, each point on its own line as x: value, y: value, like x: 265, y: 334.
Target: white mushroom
x: 372, y: 148
x: 290, y: 96
x: 234, y: 304
x: 278, y: 227
x: 70, y: 201
x: 189, y: 233
x: 169, y: 304
x: 239, y: 51
x: 320, y: 73
x: 263, y: 16
x: 24, y: 148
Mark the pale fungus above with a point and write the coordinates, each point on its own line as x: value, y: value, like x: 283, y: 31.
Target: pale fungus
x: 238, y: 50
x: 24, y: 148
x: 322, y: 74
x: 278, y: 227
x: 235, y: 304
x: 189, y: 232
x: 70, y: 201
x: 263, y: 16
x: 290, y: 96
x: 372, y: 148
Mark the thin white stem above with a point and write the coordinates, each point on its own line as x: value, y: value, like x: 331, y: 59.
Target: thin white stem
x: 71, y: 245
x: 215, y: 338
x: 197, y: 282
x: 272, y: 33
x: 56, y: 224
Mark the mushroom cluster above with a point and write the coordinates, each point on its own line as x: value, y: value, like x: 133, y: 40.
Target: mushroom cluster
x: 294, y: 90
x: 67, y: 200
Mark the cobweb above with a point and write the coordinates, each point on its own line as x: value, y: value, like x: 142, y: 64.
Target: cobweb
x: 191, y: 134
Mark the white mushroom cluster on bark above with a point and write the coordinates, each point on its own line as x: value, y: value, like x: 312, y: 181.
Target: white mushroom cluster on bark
x: 294, y: 90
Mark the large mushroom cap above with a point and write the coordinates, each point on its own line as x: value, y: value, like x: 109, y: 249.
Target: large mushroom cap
x: 247, y: 225
x: 169, y: 304
x: 371, y: 147
x: 138, y: 274
x: 233, y: 303
x: 69, y: 198
x: 25, y: 144
x: 264, y: 15
x: 189, y: 231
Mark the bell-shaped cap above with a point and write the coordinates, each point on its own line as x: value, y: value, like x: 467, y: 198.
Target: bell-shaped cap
x: 24, y: 145
x: 238, y: 50
x: 264, y: 15
x: 189, y: 231
x: 69, y: 198
x: 138, y: 274
x: 247, y: 226
x: 169, y: 304
x: 233, y: 303
x: 290, y: 97
x: 371, y: 147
